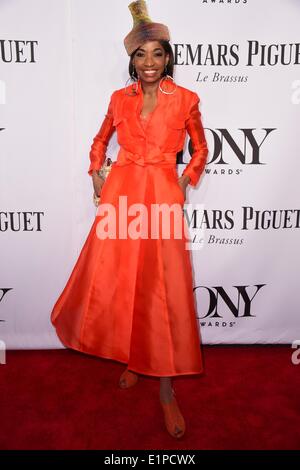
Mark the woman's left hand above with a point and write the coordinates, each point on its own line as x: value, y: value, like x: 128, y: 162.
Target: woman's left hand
x: 183, y: 181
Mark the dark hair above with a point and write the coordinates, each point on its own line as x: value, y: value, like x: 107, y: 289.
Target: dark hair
x: 170, y: 66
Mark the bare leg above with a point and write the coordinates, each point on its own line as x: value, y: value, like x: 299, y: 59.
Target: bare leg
x: 174, y: 420
x: 166, y: 389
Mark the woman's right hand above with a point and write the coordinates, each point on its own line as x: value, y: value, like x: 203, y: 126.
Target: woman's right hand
x: 98, y: 182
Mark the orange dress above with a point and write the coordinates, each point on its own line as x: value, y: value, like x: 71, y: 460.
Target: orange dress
x: 131, y: 299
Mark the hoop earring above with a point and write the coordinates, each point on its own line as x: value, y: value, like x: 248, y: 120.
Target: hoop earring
x: 134, y: 85
x: 167, y: 77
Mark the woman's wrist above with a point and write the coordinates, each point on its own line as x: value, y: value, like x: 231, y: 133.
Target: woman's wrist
x: 186, y: 179
x: 96, y: 174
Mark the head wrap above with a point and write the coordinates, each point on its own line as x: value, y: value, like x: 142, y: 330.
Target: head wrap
x: 144, y: 29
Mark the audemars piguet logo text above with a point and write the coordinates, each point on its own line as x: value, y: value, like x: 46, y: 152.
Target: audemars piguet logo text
x: 251, y: 54
x: 21, y: 221
x: 18, y: 51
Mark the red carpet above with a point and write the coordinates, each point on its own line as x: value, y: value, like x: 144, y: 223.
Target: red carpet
x: 248, y: 398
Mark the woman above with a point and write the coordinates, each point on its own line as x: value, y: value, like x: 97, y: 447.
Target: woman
x: 130, y: 298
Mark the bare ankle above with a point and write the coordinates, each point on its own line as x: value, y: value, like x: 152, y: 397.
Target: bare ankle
x: 166, y: 389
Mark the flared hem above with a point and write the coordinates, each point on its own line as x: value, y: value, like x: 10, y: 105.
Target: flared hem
x: 133, y: 369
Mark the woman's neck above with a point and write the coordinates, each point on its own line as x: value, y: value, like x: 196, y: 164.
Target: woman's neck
x: 149, y: 89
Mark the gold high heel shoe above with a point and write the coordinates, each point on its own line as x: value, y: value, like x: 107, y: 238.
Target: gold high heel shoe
x: 174, y: 420
x: 128, y: 379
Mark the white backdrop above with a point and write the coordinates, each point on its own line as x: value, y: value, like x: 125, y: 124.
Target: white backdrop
x: 59, y: 62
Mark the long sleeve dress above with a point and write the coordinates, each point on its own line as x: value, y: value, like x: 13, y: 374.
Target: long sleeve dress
x: 130, y: 298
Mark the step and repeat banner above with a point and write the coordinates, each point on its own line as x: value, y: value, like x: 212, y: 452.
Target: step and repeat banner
x: 60, y: 60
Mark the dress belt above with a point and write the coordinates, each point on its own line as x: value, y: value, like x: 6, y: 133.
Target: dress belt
x: 165, y: 159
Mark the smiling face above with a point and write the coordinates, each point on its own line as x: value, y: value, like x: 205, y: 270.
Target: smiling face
x: 150, y: 60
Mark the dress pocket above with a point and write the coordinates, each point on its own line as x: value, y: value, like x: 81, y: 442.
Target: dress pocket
x: 176, y: 133
x: 178, y: 187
